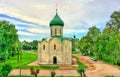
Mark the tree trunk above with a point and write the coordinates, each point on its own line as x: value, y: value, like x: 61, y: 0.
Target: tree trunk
x: 35, y: 75
x: 80, y: 74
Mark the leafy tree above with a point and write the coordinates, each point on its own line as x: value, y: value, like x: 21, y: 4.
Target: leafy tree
x: 30, y: 45
x: 106, y: 44
x: 81, y: 70
x: 9, y: 41
x: 87, y: 43
x: 5, y: 70
x: 115, y: 20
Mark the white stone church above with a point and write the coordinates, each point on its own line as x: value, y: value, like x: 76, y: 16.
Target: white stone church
x: 56, y: 49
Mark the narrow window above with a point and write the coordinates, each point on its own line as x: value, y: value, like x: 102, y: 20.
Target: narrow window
x: 51, y: 31
x: 43, y: 47
x: 60, y: 32
x: 55, y: 32
x: 54, y: 47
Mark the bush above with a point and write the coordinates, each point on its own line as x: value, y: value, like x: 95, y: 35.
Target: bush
x: 5, y: 70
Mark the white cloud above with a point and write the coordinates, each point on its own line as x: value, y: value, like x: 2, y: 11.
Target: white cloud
x: 25, y: 33
x: 77, y: 13
x: 37, y: 30
x: 19, y: 28
x: 73, y: 13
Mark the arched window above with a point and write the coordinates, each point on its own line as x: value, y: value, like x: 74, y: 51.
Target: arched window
x: 54, y: 47
x: 43, y: 47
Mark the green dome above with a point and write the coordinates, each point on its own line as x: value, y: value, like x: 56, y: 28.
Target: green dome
x: 56, y: 21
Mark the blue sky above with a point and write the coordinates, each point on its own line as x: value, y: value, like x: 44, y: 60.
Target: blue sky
x: 32, y: 17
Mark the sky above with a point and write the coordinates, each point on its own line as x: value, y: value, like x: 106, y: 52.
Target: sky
x: 32, y: 17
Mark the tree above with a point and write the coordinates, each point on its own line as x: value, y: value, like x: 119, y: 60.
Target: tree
x: 104, y: 45
x: 88, y: 43
x: 5, y: 70
x: 81, y: 70
x: 53, y: 73
x: 34, y: 71
x: 30, y: 45
x: 9, y: 41
x: 115, y: 20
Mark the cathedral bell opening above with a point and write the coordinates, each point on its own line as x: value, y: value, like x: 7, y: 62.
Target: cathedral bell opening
x: 54, y: 60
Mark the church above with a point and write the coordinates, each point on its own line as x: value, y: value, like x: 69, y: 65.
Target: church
x: 56, y: 49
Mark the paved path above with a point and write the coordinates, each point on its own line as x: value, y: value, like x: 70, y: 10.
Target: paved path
x: 98, y: 69
x: 34, y: 63
x: 46, y: 72
x: 95, y: 69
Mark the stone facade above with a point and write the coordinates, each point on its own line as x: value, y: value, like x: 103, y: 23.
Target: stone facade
x: 56, y: 49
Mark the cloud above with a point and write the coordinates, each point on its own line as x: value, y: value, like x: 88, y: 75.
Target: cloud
x: 78, y: 15
x: 25, y: 33
x: 37, y: 30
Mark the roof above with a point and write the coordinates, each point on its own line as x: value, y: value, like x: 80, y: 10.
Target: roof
x: 56, y: 21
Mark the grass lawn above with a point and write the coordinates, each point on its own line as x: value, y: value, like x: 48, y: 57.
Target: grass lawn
x: 40, y: 67
x: 76, y: 52
x: 35, y: 51
x: 26, y: 59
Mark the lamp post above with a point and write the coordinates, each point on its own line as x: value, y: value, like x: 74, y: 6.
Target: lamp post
x: 20, y: 62
x: 20, y: 58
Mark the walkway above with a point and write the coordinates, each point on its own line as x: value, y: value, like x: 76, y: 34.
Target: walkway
x: 98, y: 68
x: 95, y: 69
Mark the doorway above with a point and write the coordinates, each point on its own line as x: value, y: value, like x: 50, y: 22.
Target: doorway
x: 54, y: 60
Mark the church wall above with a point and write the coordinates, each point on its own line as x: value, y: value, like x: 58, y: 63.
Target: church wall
x: 53, y: 48
x: 44, y: 52
x: 67, y: 52
x: 55, y: 52
x: 62, y: 51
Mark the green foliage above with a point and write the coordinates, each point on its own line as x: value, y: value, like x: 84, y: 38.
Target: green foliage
x: 87, y: 43
x: 5, y: 70
x: 30, y: 45
x: 74, y: 43
x: 9, y: 43
x: 81, y: 67
x: 75, y: 52
x: 106, y: 44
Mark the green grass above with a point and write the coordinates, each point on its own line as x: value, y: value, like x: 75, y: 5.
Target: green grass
x: 36, y: 51
x: 26, y: 59
x: 76, y: 52
x: 40, y: 67
x: 108, y: 60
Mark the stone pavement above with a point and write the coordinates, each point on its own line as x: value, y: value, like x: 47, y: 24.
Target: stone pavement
x: 26, y: 72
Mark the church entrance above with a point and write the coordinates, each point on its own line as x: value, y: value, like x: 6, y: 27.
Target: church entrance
x: 54, y: 60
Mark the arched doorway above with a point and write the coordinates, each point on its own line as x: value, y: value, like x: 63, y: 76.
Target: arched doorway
x: 54, y: 60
